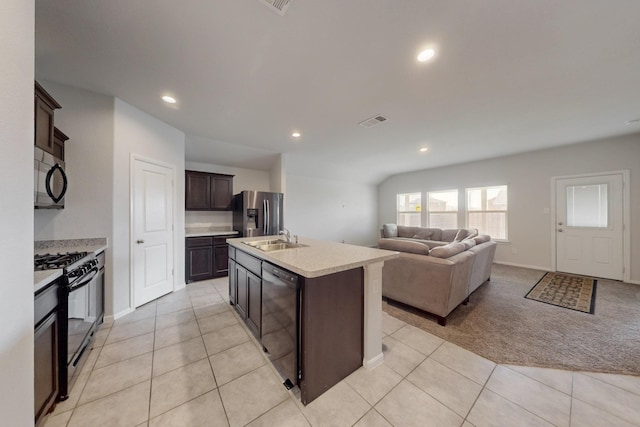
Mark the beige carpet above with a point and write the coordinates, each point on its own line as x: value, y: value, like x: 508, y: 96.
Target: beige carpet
x: 501, y: 325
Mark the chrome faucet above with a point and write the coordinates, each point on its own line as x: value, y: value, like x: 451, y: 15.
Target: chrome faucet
x: 286, y: 234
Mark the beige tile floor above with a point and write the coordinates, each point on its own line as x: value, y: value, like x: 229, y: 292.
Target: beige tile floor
x: 186, y: 360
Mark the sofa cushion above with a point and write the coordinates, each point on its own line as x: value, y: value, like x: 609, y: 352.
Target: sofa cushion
x: 404, y: 246
x: 448, y: 250
x: 406, y: 231
x: 423, y: 233
x: 468, y: 243
x: 389, y: 230
x: 481, y: 238
x: 449, y: 234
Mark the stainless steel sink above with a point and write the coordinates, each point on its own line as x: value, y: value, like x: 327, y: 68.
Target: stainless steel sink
x: 273, y: 245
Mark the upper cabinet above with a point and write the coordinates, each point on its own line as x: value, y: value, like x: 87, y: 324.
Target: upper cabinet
x: 44, y: 129
x: 208, y: 191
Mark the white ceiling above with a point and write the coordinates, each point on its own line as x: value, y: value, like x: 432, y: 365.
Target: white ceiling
x: 509, y: 76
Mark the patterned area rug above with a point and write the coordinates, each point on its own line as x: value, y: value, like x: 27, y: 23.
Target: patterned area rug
x: 566, y: 290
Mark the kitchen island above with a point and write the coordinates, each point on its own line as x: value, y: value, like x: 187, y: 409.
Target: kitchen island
x: 339, y: 309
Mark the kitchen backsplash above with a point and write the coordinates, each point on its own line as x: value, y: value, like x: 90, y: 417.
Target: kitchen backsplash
x: 208, y: 219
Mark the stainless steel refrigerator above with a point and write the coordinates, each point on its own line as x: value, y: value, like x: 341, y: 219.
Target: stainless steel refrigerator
x: 257, y: 213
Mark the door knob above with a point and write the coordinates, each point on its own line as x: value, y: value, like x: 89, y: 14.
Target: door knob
x: 560, y: 223
x: 139, y: 241
x: 559, y: 230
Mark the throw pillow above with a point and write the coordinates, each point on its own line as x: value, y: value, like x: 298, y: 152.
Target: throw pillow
x: 465, y: 233
x: 447, y: 251
x: 390, y: 230
x: 471, y: 233
x: 404, y: 246
x: 460, y: 235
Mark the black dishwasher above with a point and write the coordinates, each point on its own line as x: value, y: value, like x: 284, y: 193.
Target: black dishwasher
x: 280, y: 321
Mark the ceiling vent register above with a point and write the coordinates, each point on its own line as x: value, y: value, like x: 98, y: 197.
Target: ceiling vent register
x: 278, y: 6
x: 372, y: 121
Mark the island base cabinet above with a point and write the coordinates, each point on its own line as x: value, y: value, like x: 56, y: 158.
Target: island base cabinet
x: 233, y: 282
x: 254, y: 312
x: 242, y: 291
x: 332, y: 327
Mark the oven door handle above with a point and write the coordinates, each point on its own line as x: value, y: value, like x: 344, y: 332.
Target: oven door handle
x: 93, y: 273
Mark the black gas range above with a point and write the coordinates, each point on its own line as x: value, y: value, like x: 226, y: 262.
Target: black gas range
x: 81, y: 308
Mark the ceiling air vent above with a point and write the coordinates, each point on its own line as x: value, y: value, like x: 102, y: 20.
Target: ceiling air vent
x: 278, y: 6
x: 371, y: 122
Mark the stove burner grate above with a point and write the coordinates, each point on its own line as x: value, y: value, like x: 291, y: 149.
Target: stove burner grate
x: 55, y: 261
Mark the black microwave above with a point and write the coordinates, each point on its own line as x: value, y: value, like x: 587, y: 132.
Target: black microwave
x: 50, y: 181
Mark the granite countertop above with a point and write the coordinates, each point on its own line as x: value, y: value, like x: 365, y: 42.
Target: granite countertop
x: 43, y: 278
x: 318, y: 257
x: 204, y: 233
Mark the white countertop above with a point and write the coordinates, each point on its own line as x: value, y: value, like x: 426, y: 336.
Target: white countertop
x: 318, y: 258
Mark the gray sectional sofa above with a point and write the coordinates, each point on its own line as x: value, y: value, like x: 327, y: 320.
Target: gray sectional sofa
x: 437, y: 269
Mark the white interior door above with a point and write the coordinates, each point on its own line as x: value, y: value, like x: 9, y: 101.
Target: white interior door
x: 152, y: 234
x: 589, y: 226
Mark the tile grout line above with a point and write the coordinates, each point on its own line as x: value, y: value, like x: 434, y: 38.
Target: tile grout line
x: 224, y: 408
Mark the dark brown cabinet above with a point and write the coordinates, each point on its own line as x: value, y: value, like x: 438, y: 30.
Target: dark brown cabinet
x: 199, y: 261
x: 208, y: 191
x: 247, y: 289
x: 45, y: 351
x: 59, y: 138
x: 206, y: 257
x: 44, y: 108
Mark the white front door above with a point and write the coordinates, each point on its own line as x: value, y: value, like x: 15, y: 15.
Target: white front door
x: 589, y: 226
x: 152, y: 232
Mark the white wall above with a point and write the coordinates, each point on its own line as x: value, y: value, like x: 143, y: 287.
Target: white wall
x: 529, y: 179
x: 17, y: 18
x: 136, y: 132
x: 277, y: 175
x: 331, y: 210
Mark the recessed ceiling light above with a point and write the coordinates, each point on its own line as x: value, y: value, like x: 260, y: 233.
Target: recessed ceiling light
x: 424, y: 150
x: 296, y: 134
x: 426, y: 55
x: 169, y: 99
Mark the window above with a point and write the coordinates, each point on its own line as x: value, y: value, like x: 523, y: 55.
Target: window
x: 409, y: 207
x: 487, y: 210
x: 442, y: 209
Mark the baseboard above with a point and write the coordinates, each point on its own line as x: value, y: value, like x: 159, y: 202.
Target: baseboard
x: 513, y: 264
x: 120, y: 314
x: 373, y: 362
x: 633, y: 282
x: 179, y: 286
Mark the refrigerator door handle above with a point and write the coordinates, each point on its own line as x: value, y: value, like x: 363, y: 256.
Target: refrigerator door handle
x: 265, y: 216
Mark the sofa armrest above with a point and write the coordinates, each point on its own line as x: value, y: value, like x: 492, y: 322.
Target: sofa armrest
x: 432, y: 284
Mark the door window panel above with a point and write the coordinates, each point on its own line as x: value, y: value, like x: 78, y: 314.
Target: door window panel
x: 588, y: 206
